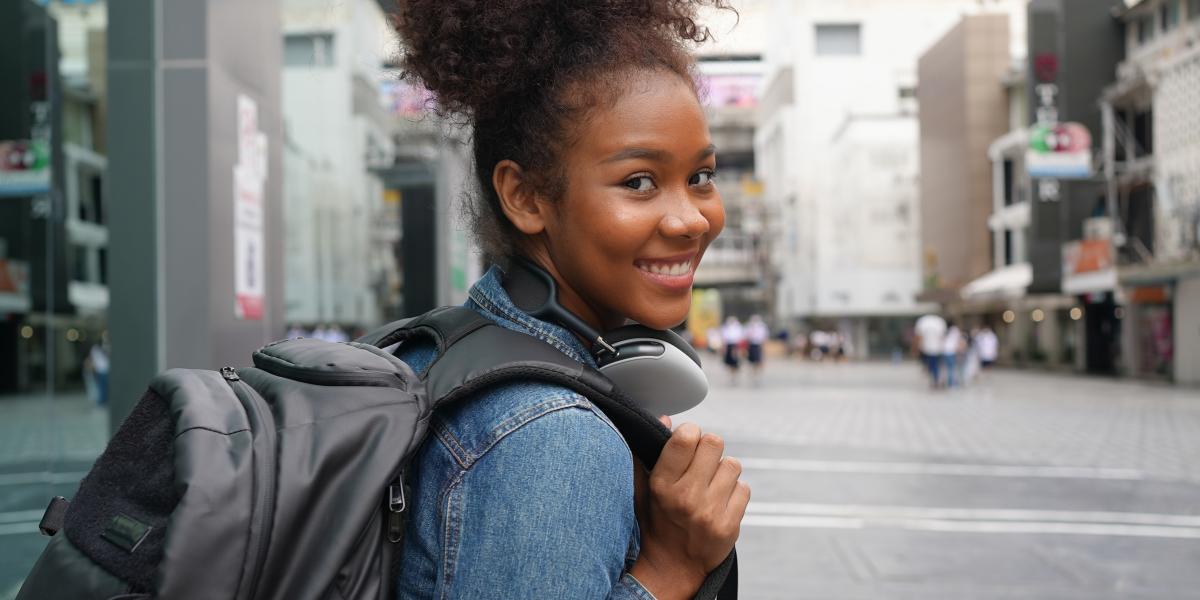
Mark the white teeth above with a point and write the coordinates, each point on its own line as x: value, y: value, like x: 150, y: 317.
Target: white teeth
x: 676, y: 270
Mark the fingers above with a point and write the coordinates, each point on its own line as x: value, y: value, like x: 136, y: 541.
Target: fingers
x: 677, y: 453
x: 739, y: 500
x: 725, y: 480
x: 665, y: 420
x: 707, y: 458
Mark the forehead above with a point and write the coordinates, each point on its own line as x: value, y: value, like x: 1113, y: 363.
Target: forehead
x: 656, y: 109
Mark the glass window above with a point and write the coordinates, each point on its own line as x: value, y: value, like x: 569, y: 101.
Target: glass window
x: 1169, y: 14
x: 839, y: 39
x: 308, y: 50
x: 1145, y: 30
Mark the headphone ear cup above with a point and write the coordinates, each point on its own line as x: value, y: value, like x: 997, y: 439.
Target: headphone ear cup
x: 635, y: 331
x: 657, y: 369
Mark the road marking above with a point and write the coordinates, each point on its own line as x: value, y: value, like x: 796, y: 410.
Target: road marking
x: 19, y: 528
x: 967, y: 470
x: 21, y: 515
x: 971, y: 520
x: 40, y: 477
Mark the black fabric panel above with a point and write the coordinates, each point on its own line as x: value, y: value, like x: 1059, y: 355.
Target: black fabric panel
x: 133, y: 477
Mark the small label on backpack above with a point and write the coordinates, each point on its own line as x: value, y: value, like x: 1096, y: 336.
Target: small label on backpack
x: 126, y: 532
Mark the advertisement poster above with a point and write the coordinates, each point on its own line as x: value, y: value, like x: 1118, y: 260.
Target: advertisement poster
x: 249, y: 179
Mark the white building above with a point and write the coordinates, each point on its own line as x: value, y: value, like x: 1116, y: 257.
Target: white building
x: 340, y: 230
x: 841, y: 74
x: 1152, y: 162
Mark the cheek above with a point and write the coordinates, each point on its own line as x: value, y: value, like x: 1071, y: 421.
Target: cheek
x: 617, y: 227
x: 715, y: 214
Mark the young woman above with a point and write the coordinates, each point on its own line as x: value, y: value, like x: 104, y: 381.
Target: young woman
x: 593, y: 160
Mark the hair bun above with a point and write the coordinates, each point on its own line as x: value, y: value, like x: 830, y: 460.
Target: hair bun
x: 478, y: 54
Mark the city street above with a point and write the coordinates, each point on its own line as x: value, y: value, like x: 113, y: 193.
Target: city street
x: 869, y: 485
x: 866, y: 484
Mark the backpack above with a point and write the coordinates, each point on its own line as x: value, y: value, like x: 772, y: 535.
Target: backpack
x: 285, y: 480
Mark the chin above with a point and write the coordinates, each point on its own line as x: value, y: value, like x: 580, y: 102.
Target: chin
x: 664, y: 315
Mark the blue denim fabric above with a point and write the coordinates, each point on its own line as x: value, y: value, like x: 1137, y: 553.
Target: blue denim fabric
x: 525, y: 491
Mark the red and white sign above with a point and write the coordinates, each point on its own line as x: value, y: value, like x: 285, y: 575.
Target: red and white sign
x: 249, y: 179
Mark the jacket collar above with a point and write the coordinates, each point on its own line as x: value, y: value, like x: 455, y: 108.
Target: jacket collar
x: 489, y: 297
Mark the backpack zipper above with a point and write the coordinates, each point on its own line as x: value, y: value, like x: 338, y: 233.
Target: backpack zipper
x: 264, y: 512
x: 283, y: 369
x: 397, y: 509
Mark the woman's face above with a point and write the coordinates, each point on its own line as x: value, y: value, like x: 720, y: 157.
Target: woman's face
x: 640, y: 207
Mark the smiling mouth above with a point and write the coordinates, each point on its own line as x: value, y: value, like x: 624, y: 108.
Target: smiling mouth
x: 667, y: 268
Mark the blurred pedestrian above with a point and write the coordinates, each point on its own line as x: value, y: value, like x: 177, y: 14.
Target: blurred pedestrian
x: 952, y: 345
x: 987, y: 345
x: 757, y: 335
x: 96, y: 365
x: 296, y: 331
x: 733, y: 335
x: 930, y: 331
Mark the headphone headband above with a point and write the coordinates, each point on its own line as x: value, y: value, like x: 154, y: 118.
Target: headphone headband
x: 534, y: 291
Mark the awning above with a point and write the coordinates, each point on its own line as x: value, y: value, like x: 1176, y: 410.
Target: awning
x: 1002, y: 283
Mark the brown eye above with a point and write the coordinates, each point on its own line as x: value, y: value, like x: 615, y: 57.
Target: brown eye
x: 702, y: 178
x: 641, y: 183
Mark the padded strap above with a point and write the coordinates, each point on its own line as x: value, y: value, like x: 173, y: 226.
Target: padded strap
x: 445, y: 326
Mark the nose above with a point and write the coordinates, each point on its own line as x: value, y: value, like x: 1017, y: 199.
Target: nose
x: 684, y: 220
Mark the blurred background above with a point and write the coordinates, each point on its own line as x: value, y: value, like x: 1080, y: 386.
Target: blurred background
x: 182, y: 181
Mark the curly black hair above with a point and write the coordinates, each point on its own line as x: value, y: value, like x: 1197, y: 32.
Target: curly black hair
x: 522, y: 71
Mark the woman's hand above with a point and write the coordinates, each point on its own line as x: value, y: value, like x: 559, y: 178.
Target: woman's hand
x: 690, y: 510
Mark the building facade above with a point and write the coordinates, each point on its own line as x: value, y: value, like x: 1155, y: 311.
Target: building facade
x: 1151, y: 143
x: 341, y: 230
x: 830, y: 64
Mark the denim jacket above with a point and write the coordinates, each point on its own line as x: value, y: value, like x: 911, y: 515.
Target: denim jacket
x: 525, y: 491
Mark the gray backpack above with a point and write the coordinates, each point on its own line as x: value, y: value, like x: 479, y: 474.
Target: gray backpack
x: 285, y: 480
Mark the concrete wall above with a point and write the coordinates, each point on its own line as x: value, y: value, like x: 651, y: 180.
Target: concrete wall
x: 176, y: 70
x: 1187, y: 331
x: 962, y: 110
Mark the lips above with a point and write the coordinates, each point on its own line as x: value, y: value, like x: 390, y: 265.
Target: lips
x: 675, y: 265
x: 673, y: 271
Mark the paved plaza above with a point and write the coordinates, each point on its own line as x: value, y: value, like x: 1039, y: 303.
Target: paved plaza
x: 867, y: 484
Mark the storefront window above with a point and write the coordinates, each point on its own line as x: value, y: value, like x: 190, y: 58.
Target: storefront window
x: 53, y: 297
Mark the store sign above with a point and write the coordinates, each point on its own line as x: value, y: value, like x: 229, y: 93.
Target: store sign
x: 14, y: 285
x: 1088, y: 266
x: 1059, y: 151
x: 249, y: 180
x: 24, y: 168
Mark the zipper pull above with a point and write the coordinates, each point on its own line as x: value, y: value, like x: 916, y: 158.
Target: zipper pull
x: 230, y: 374
x: 397, y: 510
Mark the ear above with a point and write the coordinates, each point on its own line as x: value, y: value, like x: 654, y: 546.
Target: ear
x: 518, y: 200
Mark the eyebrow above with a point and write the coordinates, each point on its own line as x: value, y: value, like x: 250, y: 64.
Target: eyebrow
x: 655, y: 155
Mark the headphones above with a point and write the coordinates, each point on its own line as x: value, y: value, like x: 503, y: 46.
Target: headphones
x: 658, y: 369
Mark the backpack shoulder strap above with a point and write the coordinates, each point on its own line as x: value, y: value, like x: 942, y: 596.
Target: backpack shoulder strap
x: 475, y: 354
x: 445, y: 325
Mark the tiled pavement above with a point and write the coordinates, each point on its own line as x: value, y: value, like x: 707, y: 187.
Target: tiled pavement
x: 1011, y: 417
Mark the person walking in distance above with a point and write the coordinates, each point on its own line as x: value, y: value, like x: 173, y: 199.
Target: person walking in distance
x: 930, y: 331
x: 593, y: 162
x: 987, y: 347
x: 757, y: 334
x: 952, y: 345
x: 733, y: 335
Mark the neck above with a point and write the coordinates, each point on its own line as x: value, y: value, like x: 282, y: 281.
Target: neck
x: 573, y: 301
